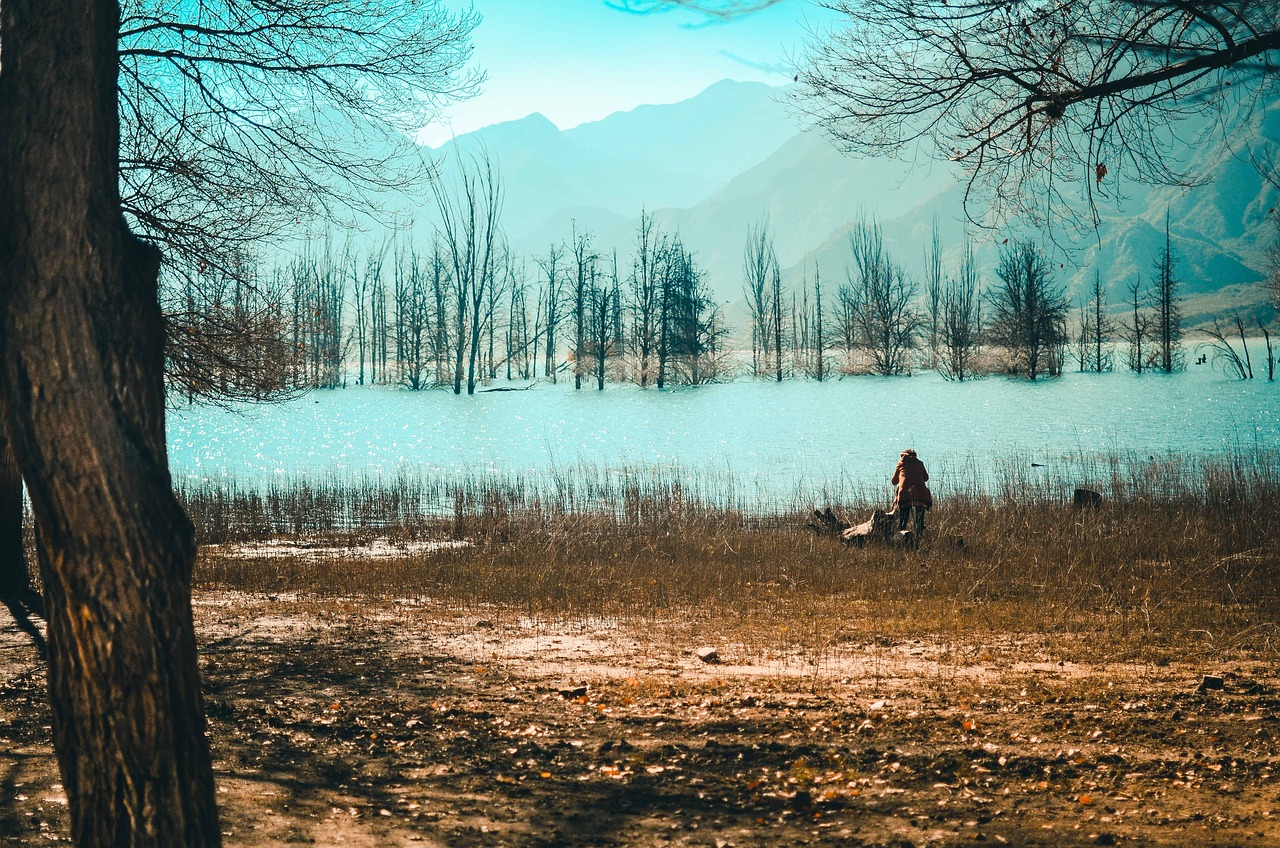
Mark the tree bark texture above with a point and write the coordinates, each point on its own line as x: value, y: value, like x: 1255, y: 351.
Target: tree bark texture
x: 81, y: 350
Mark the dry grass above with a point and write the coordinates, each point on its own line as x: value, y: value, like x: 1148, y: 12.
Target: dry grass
x: 1184, y: 555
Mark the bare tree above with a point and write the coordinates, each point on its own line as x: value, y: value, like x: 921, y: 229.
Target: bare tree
x: 585, y: 272
x: 1029, y: 96
x: 441, y: 287
x: 228, y: 337
x: 759, y: 268
x: 646, y: 294
x: 599, y: 343
x: 1238, y: 365
x: 1093, y: 350
x: 412, y: 294
x: 1166, y: 311
x: 1028, y: 312
x: 317, y: 280
x: 820, y: 326
x: 359, y: 294
x: 846, y: 320
x: 933, y: 287
x: 470, y: 228
x: 519, y: 342
x: 1271, y: 353
x: 886, y: 320
x: 504, y: 282
x: 1136, y: 329
x: 549, y: 302
x: 776, y: 298
x: 960, y: 321
x: 1101, y: 327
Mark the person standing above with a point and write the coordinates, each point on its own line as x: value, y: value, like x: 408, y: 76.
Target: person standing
x: 912, y: 495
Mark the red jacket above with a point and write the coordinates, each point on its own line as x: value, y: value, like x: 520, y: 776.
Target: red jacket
x: 910, y: 477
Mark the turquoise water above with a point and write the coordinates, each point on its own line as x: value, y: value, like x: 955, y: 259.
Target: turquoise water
x: 781, y: 441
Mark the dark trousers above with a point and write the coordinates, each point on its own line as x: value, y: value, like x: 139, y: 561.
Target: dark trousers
x: 904, y: 513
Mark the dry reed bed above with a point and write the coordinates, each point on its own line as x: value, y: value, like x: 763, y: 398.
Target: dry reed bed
x: 1184, y: 555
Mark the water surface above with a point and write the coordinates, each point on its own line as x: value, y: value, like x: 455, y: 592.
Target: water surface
x: 777, y: 440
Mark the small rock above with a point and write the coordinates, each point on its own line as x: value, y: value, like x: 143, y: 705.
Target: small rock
x: 707, y: 655
x: 1104, y: 839
x: 484, y: 624
x: 573, y: 692
x: 1210, y: 682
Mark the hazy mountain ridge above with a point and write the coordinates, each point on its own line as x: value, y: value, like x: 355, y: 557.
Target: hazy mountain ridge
x: 670, y: 155
x: 712, y: 165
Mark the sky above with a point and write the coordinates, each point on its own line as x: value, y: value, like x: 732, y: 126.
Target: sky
x: 577, y: 61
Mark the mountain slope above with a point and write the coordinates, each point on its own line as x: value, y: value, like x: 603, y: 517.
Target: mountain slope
x: 667, y: 155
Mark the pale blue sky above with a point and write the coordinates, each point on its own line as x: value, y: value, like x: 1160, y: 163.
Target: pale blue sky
x: 580, y: 60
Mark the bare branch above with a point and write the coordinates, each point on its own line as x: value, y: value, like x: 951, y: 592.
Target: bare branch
x: 1031, y: 97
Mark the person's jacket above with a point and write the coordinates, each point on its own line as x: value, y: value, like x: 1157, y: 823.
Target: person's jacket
x: 910, y: 477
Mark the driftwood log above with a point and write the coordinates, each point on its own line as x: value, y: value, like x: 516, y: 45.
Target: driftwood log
x: 880, y: 527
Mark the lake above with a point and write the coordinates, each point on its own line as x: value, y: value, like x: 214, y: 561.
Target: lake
x: 792, y: 441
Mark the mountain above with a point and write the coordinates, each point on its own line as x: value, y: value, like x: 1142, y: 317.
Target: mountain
x: 711, y: 166
x: 717, y: 134
x: 654, y: 156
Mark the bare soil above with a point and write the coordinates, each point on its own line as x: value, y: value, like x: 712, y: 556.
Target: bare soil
x: 404, y: 724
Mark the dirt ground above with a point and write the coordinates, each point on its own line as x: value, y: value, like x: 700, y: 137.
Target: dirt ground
x: 403, y: 725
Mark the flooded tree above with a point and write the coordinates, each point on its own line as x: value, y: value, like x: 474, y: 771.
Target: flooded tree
x: 493, y: 302
x: 933, y: 286
x: 1166, y: 311
x: 228, y: 336
x: 441, y: 286
x: 1093, y: 339
x: 600, y: 321
x: 469, y: 223
x: 412, y: 295
x: 1028, y: 312
x: 647, y: 269
x: 960, y: 321
x: 550, y: 297
x: 762, y: 280
x: 369, y: 302
x: 691, y: 318
x: 1237, y: 364
x: 882, y: 302
x: 584, y: 274
x: 811, y: 330
x: 318, y: 299
x: 1136, y: 327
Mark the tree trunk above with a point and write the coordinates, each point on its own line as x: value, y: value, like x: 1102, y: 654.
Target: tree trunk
x: 82, y: 354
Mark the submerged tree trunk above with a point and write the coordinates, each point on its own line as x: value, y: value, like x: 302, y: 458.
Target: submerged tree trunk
x: 82, y: 354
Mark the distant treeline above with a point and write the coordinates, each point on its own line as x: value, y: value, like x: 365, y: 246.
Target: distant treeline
x: 465, y: 311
